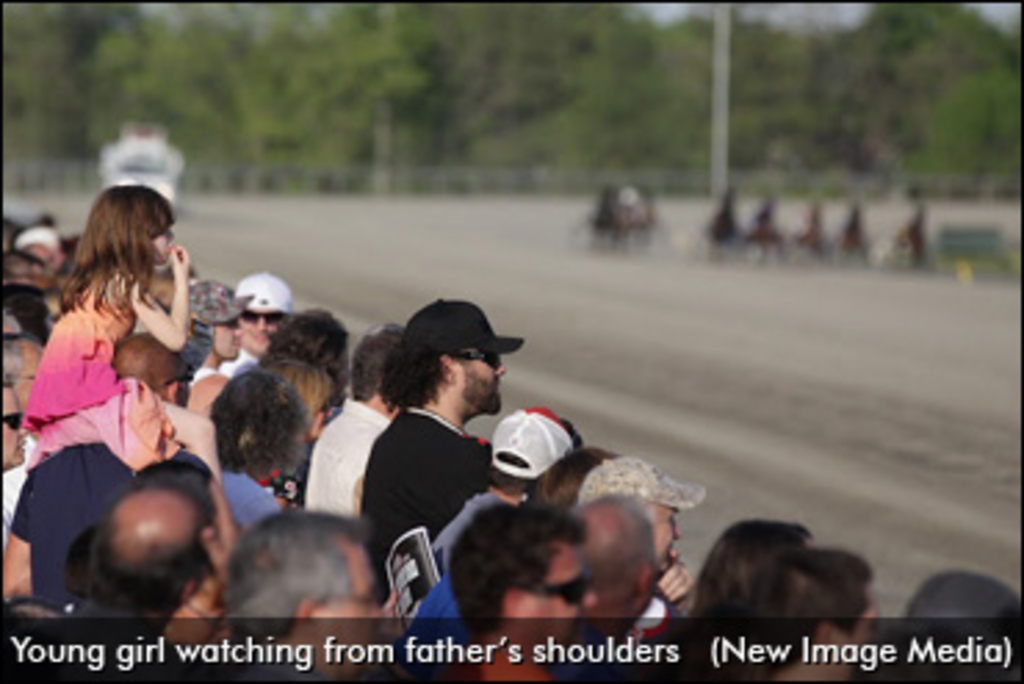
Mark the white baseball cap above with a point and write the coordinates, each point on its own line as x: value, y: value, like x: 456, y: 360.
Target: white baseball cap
x: 535, y: 435
x: 268, y: 293
x: 38, y: 235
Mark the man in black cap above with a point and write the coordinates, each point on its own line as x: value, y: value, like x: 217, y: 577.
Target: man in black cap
x: 424, y: 466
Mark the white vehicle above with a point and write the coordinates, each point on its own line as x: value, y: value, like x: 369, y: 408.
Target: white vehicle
x: 143, y: 157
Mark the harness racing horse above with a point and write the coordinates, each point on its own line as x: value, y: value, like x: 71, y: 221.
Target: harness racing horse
x: 622, y: 216
x: 723, y: 230
x: 852, y: 242
x: 763, y: 234
x: 812, y: 239
x: 911, y: 239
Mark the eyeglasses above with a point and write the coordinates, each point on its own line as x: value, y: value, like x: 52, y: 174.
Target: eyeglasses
x: 20, y: 336
x: 13, y: 420
x: 270, y: 318
x: 571, y: 592
x: 490, y: 358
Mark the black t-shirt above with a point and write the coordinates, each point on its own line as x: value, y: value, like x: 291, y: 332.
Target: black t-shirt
x: 420, y: 472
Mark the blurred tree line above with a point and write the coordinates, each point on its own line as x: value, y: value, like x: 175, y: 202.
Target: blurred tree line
x: 927, y: 88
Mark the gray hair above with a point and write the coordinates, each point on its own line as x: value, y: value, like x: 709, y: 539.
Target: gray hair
x: 283, y: 560
x: 621, y: 551
x: 14, y: 360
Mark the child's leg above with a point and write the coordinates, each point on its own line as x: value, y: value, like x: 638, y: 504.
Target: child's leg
x: 132, y: 424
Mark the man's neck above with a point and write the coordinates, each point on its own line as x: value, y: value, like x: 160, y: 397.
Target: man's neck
x: 446, y: 411
x: 513, y: 499
x: 380, y: 406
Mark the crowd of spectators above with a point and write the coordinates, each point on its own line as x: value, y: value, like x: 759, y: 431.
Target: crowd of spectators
x: 285, y: 475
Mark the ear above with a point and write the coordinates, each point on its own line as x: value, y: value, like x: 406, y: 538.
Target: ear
x: 316, y: 426
x: 189, y: 590
x: 827, y: 632
x: 306, y: 608
x: 450, y: 370
x: 646, y: 582
x: 513, y: 603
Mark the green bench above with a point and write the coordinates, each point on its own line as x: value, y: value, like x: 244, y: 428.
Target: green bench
x: 971, y: 245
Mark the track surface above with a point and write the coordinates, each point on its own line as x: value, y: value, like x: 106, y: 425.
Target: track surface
x: 880, y: 409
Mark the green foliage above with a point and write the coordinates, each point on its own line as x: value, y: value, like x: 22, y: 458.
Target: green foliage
x: 923, y: 87
x: 976, y: 128
x: 907, y: 59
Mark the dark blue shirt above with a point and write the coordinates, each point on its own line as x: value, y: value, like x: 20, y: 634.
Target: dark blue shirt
x: 62, y: 496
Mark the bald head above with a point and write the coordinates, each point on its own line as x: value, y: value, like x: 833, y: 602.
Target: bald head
x: 619, y: 536
x: 619, y: 550
x: 148, y: 554
x: 145, y: 358
x: 152, y: 524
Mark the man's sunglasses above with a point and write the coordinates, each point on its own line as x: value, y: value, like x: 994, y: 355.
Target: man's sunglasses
x: 13, y: 420
x: 270, y: 318
x: 490, y: 358
x: 572, y: 592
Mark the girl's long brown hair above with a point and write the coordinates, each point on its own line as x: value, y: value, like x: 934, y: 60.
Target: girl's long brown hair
x: 118, y: 241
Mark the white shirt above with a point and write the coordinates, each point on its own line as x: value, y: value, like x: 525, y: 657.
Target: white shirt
x: 244, y: 362
x: 14, y: 479
x: 340, y: 457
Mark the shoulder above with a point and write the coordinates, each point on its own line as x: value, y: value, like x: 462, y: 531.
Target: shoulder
x: 191, y: 459
x: 204, y: 391
x: 413, y: 431
x: 249, y: 501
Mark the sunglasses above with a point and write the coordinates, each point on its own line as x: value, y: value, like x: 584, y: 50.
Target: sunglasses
x: 572, y: 592
x: 269, y: 318
x: 490, y: 358
x: 19, y: 336
x: 13, y: 420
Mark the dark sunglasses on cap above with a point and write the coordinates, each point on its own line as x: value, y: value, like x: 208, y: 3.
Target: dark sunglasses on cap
x: 13, y: 420
x: 492, y: 359
x: 270, y: 318
x: 572, y: 592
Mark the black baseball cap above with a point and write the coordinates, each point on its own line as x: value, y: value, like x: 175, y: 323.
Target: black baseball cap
x: 448, y: 326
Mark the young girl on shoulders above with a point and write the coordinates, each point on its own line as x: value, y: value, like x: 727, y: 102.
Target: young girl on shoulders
x: 77, y: 397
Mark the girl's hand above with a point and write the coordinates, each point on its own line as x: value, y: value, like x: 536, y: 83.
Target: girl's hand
x: 181, y: 262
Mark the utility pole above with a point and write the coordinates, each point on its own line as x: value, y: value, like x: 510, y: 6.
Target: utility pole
x: 720, y: 103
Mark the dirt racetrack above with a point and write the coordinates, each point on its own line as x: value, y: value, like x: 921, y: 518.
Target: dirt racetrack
x: 881, y: 409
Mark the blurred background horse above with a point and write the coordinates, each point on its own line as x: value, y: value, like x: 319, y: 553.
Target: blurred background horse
x: 623, y: 216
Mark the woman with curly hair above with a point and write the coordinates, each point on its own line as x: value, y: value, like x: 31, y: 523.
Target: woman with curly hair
x: 260, y: 424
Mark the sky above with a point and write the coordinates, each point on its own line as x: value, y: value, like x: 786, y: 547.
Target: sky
x: 844, y: 13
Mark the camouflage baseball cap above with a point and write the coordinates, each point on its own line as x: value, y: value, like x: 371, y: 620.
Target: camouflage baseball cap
x: 635, y: 478
x: 214, y: 303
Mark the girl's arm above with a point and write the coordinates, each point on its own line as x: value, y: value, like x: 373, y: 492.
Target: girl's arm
x: 171, y: 330
x: 197, y: 434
